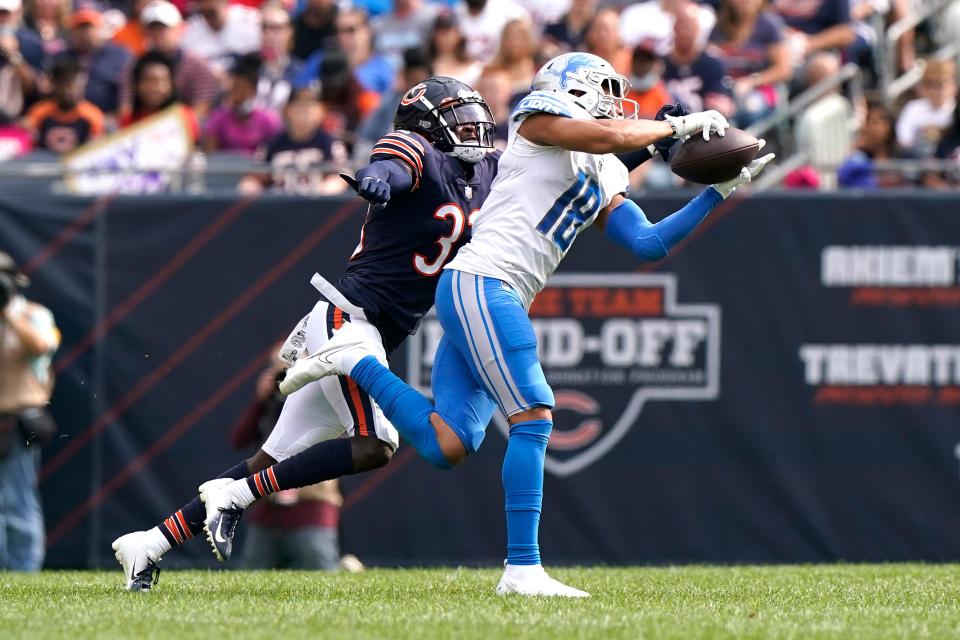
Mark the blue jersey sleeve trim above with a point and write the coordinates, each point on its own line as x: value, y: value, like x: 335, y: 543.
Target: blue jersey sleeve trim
x: 541, y: 102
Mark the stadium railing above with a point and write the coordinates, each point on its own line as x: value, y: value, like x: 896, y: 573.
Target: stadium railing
x: 889, y: 38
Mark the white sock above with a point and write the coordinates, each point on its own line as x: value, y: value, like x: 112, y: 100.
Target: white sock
x: 352, y: 358
x: 157, y: 544
x: 240, y: 493
x: 521, y: 571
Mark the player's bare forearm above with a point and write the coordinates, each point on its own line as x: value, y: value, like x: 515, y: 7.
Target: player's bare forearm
x: 593, y: 136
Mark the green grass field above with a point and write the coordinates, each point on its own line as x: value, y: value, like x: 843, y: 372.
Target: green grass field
x: 855, y: 601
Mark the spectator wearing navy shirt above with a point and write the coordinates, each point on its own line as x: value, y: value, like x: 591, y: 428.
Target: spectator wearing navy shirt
x: 280, y: 70
x: 752, y: 42
x: 949, y: 150
x: 303, y: 159
x: 102, y: 63
x: 694, y: 77
x: 815, y: 25
x: 314, y: 29
x: 567, y: 34
x: 876, y: 141
x: 48, y: 19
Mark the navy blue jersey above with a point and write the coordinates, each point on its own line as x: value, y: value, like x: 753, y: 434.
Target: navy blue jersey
x: 403, y: 247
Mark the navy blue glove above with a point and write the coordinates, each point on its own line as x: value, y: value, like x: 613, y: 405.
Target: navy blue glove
x: 664, y: 145
x: 372, y: 187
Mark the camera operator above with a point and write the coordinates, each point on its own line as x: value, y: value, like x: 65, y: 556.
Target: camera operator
x: 28, y: 338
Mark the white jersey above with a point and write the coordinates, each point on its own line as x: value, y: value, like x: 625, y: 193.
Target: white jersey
x: 542, y: 197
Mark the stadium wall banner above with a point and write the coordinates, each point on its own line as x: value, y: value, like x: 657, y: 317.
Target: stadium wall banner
x: 138, y: 159
x: 783, y: 388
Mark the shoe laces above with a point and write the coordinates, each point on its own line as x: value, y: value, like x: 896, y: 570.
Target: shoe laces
x: 232, y: 516
x: 150, y: 574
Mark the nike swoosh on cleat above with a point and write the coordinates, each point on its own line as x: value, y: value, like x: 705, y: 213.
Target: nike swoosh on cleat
x: 217, y: 535
x: 324, y: 356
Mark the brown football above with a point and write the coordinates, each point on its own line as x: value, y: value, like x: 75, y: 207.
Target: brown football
x: 715, y: 160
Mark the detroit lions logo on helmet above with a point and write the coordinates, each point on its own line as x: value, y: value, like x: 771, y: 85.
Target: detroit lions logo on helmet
x: 568, y: 65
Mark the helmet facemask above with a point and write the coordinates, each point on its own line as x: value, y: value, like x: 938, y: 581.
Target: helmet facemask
x: 467, y: 129
x: 603, y: 96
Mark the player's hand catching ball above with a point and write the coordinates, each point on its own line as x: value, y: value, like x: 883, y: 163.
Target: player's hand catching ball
x: 373, y: 189
x: 706, y: 121
x: 747, y: 174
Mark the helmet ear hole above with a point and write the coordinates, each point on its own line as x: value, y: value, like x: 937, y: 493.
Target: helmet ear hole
x: 576, y: 92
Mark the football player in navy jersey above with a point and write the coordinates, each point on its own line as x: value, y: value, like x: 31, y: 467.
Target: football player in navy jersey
x: 424, y: 182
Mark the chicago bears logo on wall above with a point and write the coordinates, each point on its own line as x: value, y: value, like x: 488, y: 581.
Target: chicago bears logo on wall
x: 608, y: 343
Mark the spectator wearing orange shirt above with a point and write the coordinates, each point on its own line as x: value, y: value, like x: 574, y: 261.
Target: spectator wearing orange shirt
x: 64, y: 121
x: 646, y: 77
x: 133, y: 35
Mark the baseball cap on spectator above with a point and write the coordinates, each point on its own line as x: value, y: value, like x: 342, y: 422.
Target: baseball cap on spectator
x: 88, y: 16
x: 161, y: 12
x: 654, y: 46
x: 11, y: 5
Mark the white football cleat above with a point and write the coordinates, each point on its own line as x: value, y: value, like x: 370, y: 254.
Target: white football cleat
x: 139, y: 561
x: 328, y: 359
x: 223, y: 515
x: 534, y: 581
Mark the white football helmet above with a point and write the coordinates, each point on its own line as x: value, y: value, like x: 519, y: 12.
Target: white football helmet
x: 591, y: 81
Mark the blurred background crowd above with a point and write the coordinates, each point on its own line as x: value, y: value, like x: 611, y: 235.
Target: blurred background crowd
x: 852, y: 93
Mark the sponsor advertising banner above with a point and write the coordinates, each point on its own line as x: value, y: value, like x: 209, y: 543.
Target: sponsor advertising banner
x: 136, y: 159
x: 784, y: 388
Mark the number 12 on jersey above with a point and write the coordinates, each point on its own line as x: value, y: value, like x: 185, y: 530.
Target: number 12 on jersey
x: 571, y: 210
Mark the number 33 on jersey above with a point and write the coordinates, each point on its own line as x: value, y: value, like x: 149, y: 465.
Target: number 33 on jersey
x: 405, y: 244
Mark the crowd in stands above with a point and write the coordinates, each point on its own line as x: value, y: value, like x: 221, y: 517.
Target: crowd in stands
x: 302, y: 84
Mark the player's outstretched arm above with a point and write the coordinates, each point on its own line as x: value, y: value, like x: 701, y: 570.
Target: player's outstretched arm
x: 376, y: 181
x: 625, y: 223
x: 616, y: 136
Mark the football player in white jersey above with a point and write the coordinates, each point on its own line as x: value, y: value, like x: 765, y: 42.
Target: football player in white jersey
x: 557, y: 176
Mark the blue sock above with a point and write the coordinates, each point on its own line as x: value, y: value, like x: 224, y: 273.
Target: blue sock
x: 404, y: 406
x: 523, y: 489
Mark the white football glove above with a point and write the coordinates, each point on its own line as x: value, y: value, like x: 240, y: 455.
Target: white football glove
x: 706, y: 121
x: 747, y: 174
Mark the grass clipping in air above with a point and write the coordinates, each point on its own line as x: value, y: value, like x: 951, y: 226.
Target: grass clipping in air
x: 830, y: 601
